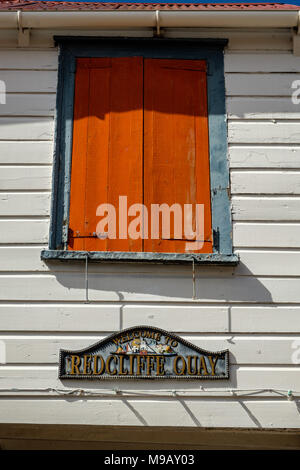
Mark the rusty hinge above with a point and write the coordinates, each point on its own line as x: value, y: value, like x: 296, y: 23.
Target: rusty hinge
x: 76, y: 234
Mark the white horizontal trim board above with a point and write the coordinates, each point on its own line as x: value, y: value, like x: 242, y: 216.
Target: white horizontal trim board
x: 261, y: 62
x: 263, y: 156
x: 243, y: 349
x: 25, y: 178
x: 265, y: 132
x: 24, y: 231
x: 153, y: 412
x: 26, y: 59
x: 26, y: 128
x: 24, y: 204
x: 246, y: 107
x: 260, y: 378
x: 263, y: 208
x: 270, y: 319
x: 28, y: 105
x: 252, y: 263
x: 114, y: 317
x: 148, y: 287
x: 93, y: 318
x: 77, y: 318
x: 260, y: 84
x: 264, y: 182
x: 25, y: 153
x: 266, y: 235
x: 31, y: 81
x: 268, y: 263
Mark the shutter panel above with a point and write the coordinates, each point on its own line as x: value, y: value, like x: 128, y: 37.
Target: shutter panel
x: 176, y: 149
x: 107, y: 156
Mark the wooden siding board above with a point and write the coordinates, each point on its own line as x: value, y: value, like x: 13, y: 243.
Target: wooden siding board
x: 29, y: 81
x: 266, y: 208
x: 28, y: 105
x: 107, y: 317
x: 262, y: 107
x: 261, y: 84
x: 24, y: 59
x: 36, y: 380
x: 264, y: 156
x: 23, y: 231
x: 264, y: 132
x: 26, y: 128
x: 168, y: 412
x: 22, y: 204
x: 271, y: 235
x: 253, y: 62
x: 151, y: 288
x: 265, y: 319
x: 25, y: 178
x: 264, y: 182
x: 253, y: 262
x: 26, y: 153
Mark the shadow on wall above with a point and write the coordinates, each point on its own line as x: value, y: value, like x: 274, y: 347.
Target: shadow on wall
x: 160, y: 283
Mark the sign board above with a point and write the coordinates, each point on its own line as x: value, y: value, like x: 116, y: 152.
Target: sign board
x: 143, y: 352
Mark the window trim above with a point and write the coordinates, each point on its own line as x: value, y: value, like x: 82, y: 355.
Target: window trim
x: 211, y: 50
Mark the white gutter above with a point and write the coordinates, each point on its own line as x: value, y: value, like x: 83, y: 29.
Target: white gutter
x: 143, y: 19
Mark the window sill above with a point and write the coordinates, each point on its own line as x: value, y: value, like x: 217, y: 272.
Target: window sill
x: 164, y: 258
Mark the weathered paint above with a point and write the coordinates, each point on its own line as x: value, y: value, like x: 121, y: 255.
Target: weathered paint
x: 209, y: 50
x: 202, y: 258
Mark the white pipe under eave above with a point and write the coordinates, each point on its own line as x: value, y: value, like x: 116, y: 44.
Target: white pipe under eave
x: 144, y: 19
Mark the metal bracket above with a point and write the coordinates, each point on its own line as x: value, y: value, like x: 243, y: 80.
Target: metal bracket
x: 157, y: 21
x: 23, y: 33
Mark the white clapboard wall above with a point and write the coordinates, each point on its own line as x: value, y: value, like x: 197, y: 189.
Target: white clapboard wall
x: 253, y: 309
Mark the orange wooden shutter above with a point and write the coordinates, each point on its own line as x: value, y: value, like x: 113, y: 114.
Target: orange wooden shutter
x: 107, y: 156
x: 176, y: 152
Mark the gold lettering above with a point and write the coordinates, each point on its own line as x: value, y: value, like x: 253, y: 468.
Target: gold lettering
x: 108, y: 361
x: 150, y: 365
x: 160, y: 362
x: 95, y: 372
x: 202, y: 366
x: 175, y: 366
x: 75, y: 365
x: 121, y: 369
x: 140, y: 364
x: 190, y: 365
x: 149, y: 334
x: 116, y: 341
x: 213, y: 364
x: 131, y: 364
x: 87, y: 364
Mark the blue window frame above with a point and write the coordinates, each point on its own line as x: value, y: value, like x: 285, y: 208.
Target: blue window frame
x: 211, y: 50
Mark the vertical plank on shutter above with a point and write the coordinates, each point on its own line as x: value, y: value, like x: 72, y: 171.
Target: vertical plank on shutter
x: 126, y: 142
x: 112, y: 147
x: 176, y: 152
x: 79, y: 154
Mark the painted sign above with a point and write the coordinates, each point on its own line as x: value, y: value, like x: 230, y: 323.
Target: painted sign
x: 143, y: 352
